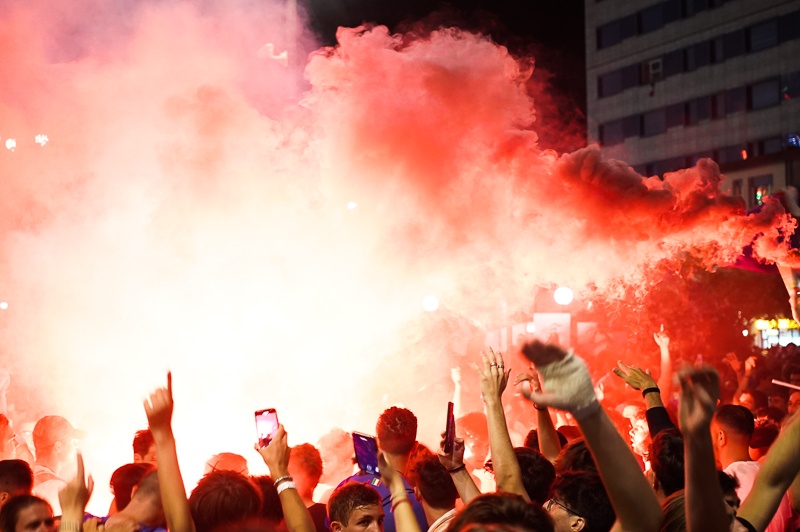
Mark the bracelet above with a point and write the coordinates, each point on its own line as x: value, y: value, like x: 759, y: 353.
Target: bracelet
x: 398, y: 501
x: 456, y: 469
x: 284, y: 478
x: 286, y: 485
x: 67, y: 525
x: 539, y: 408
x: 654, y: 389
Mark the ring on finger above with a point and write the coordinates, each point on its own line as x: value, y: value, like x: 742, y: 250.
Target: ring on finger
x: 500, y: 366
x: 492, y: 364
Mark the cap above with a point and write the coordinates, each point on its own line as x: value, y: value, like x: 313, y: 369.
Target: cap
x: 52, y: 429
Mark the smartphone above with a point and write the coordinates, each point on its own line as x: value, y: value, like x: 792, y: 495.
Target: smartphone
x: 449, y: 430
x: 366, y: 448
x: 266, y: 425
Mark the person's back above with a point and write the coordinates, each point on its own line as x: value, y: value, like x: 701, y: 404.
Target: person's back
x: 305, y: 467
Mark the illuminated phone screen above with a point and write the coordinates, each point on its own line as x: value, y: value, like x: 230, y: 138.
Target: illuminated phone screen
x: 266, y: 426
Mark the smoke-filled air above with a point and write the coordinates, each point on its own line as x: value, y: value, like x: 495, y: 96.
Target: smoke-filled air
x: 194, y: 186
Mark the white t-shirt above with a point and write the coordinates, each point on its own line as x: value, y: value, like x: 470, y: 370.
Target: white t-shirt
x: 745, y: 472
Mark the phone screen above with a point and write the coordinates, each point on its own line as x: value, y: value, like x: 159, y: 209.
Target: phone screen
x: 450, y: 430
x: 366, y: 448
x: 266, y: 425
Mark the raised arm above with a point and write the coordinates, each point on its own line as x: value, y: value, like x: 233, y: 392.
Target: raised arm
x: 705, y: 509
x: 494, y: 378
x: 780, y: 469
x: 73, y: 498
x: 454, y: 463
x: 665, y: 379
x: 549, y: 444
x: 568, y: 386
x: 455, y: 375
x: 159, y: 407
x: 641, y: 380
x: 276, y: 456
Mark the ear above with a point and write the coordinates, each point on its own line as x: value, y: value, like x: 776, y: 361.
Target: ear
x: 58, y: 446
x: 336, y: 526
x: 577, y: 524
x: 137, y: 458
x: 417, y: 494
x: 722, y: 438
x: 4, y: 496
x: 133, y: 491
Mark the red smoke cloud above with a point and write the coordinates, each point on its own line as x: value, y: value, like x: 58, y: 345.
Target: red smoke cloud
x: 190, y: 211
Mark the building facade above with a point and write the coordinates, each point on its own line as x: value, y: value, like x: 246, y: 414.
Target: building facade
x: 673, y: 81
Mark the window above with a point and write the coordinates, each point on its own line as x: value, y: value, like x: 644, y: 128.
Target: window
x: 609, y: 34
x: 770, y: 146
x: 737, y: 187
x: 631, y: 126
x: 702, y: 54
x: 676, y: 115
x: 629, y: 26
x: 718, y: 50
x: 735, y: 100
x: 672, y: 63
x: 790, y: 85
x: 630, y: 76
x: 731, y: 154
x: 651, y: 19
x: 609, y: 84
x: 762, y: 36
x: 765, y: 94
x: 673, y: 10
x: 734, y: 44
x: 760, y: 187
x: 699, y: 109
x: 611, y: 133
x: 654, y: 122
x: 669, y: 165
x: 700, y: 5
x: 718, y: 105
x: 789, y: 26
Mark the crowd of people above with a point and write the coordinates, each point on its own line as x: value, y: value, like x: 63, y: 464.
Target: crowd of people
x: 700, y: 449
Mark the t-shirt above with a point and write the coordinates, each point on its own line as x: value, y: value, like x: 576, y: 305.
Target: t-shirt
x: 46, y: 484
x: 745, y: 472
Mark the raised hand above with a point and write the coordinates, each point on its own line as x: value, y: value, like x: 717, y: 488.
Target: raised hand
x: 75, y: 495
x: 493, y: 375
x: 661, y: 338
x: 733, y: 361
x: 276, y: 454
x: 159, y: 406
x: 452, y: 460
x: 455, y: 375
x: 698, y: 399
x: 635, y: 377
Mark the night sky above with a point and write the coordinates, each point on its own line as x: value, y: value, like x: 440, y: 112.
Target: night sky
x: 552, y: 32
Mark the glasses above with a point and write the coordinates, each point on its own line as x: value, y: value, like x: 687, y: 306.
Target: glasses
x: 549, y: 504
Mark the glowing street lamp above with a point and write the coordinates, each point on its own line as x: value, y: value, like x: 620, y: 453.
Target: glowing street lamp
x: 563, y: 295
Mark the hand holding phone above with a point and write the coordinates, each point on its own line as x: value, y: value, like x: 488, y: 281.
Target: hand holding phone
x: 266, y: 425
x: 366, y: 448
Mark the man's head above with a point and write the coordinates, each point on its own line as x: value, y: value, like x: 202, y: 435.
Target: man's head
x: 575, y: 456
x: 731, y: 429
x: 434, y: 485
x: 580, y: 503
x: 146, y: 501
x: 305, y: 467
x: 144, y: 447
x: 753, y: 400
x: 271, y: 509
x: 227, y: 462
x: 124, y: 479
x: 777, y: 399
x: 336, y: 449
x: 640, y: 436
x: 504, y: 510
x: 794, y: 403
x: 16, y: 478
x: 396, y: 431
x: 666, y: 461
x: 223, y: 497
x: 55, y: 441
x: 537, y: 472
x: 355, y: 507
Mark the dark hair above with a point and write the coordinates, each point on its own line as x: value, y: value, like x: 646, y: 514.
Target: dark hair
x: 9, y: 514
x: 728, y: 483
x: 674, y: 510
x: 570, y: 432
x: 397, y: 430
x: 223, y: 497
x: 583, y: 492
x: 307, y: 457
x: 760, y: 399
x: 666, y: 460
x: 538, y: 474
x: 148, y: 486
x: 434, y: 483
x: 736, y: 419
x: 253, y: 524
x: 349, y: 497
x: 575, y: 456
x: 771, y: 413
x: 271, y: 508
x: 532, y: 439
x: 124, y: 478
x: 16, y: 477
x: 142, y: 441
x: 501, y: 509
